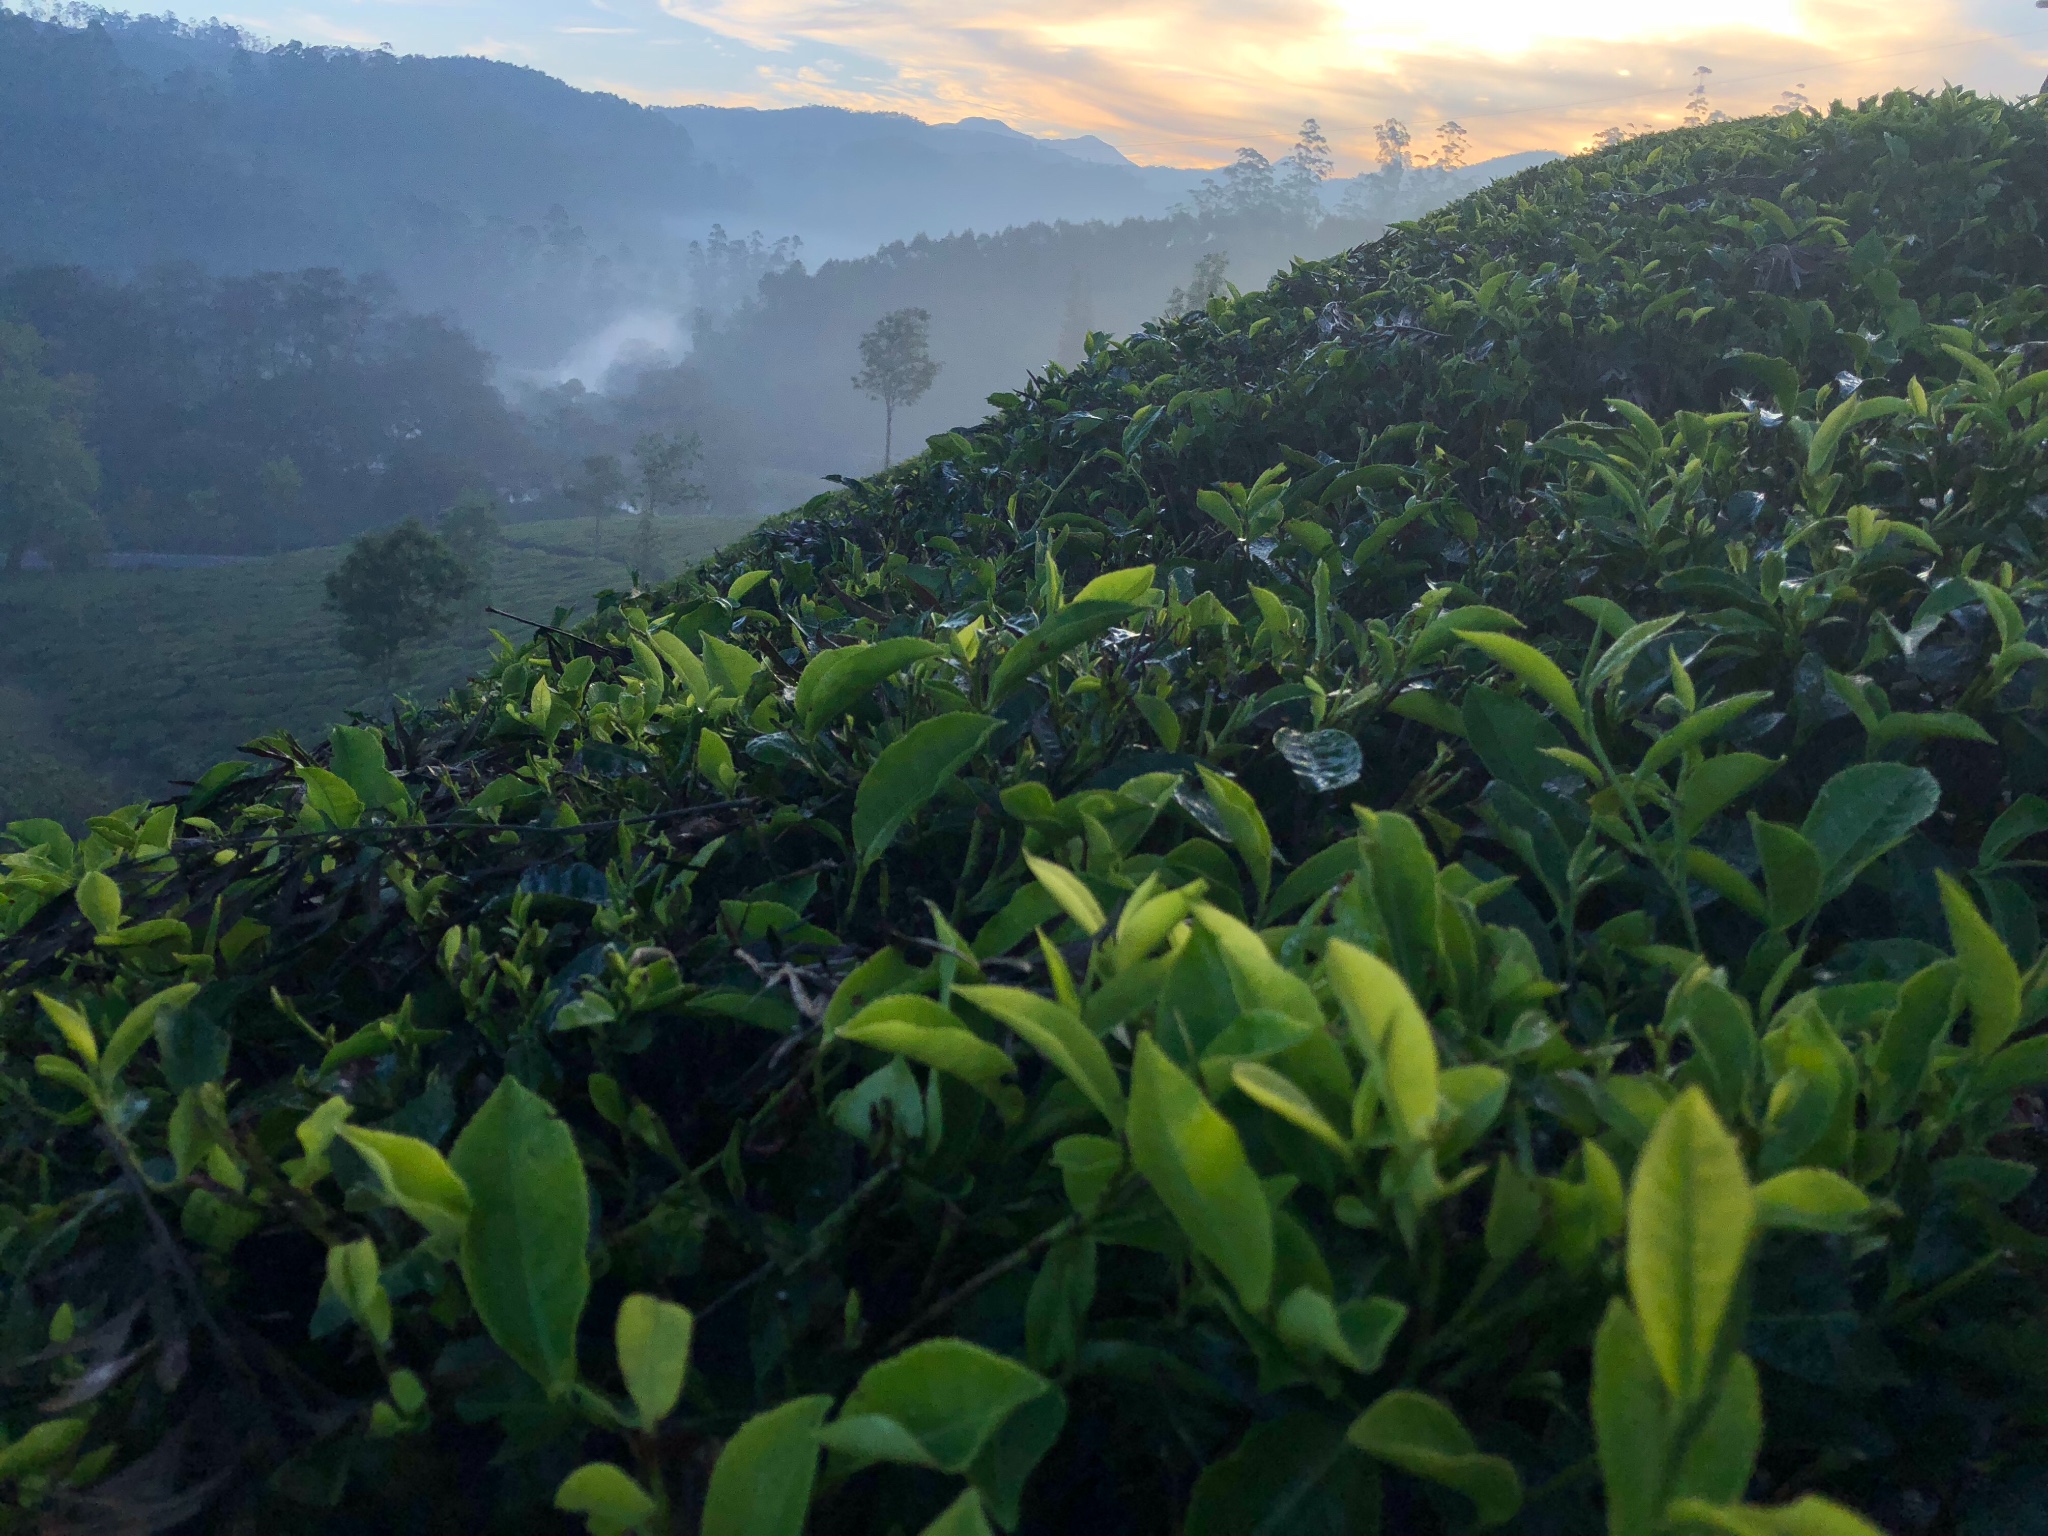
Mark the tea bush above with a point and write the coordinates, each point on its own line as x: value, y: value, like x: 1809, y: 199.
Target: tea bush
x: 1409, y: 903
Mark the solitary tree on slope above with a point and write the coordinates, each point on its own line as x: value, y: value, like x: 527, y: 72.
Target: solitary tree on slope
x: 663, y: 462
x: 896, y: 367
x: 394, y: 591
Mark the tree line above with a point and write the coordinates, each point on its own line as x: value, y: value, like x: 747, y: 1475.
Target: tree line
x: 243, y: 414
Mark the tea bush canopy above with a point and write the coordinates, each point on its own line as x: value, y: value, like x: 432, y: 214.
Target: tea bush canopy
x: 1408, y: 902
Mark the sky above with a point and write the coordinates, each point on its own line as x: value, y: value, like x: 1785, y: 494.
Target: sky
x: 1184, y: 82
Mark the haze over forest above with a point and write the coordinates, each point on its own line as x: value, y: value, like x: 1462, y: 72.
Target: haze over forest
x: 409, y: 276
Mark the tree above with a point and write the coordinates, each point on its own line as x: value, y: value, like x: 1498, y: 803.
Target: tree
x: 283, y: 486
x: 600, y: 491
x: 1248, y: 189
x: 47, y: 475
x: 1077, y: 320
x: 395, y: 590
x: 896, y: 367
x: 1452, y: 146
x: 471, y: 530
x: 1206, y: 284
x: 1793, y: 101
x: 1698, y: 110
x: 1308, y: 167
x: 1393, y: 139
x: 663, y: 462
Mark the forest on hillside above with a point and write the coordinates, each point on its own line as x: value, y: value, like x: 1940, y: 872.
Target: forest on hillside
x: 532, y: 210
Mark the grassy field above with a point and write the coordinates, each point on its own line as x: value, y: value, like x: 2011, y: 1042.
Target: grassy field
x: 115, y: 683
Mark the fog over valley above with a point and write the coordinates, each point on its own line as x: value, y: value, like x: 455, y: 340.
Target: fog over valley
x: 625, y: 269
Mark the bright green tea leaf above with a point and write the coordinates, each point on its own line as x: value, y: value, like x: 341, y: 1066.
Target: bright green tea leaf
x: 1391, y: 1033
x: 761, y: 1485
x: 523, y: 1248
x: 909, y: 771
x: 834, y: 681
x: 1073, y: 625
x: 652, y: 1338
x: 1191, y: 1156
x: 1811, y: 1199
x: 1422, y: 1436
x: 414, y: 1177
x: 1059, y: 1035
x: 1533, y: 669
x: 915, y: 1026
x: 950, y: 1395
x: 1991, y: 980
x: 1690, y: 1215
x: 1075, y: 899
x: 609, y: 1500
x: 1631, y: 1422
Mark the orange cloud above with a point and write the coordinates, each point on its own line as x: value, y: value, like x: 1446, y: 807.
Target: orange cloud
x: 1187, y: 82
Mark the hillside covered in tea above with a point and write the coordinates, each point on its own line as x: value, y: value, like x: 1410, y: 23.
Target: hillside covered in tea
x: 1409, y: 903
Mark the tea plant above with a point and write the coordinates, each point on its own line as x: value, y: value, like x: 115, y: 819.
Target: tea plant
x: 1409, y: 902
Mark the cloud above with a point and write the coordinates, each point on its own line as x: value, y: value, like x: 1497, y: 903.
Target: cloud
x: 1183, y: 80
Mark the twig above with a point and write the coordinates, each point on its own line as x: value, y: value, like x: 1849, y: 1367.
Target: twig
x: 987, y: 1277
x: 390, y: 829
x: 821, y: 1238
x: 617, y: 651
x: 188, y: 1280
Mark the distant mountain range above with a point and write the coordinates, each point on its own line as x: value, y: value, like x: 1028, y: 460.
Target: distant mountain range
x: 536, y: 213
x: 847, y: 182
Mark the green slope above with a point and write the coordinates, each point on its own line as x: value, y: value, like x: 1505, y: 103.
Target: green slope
x: 1408, y: 905
x: 121, y: 681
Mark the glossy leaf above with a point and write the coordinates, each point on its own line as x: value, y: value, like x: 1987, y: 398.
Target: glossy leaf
x: 761, y: 1483
x: 917, y: 1027
x: 1391, y: 1032
x: 1533, y: 669
x: 1862, y: 813
x: 1812, y: 1199
x: 948, y: 1395
x: 652, y: 1338
x: 1191, y: 1156
x: 1059, y: 1035
x: 1632, y: 1422
x: 833, y: 681
x: 1991, y: 981
x: 1356, y: 1334
x: 606, y: 1496
x: 908, y: 773
x: 1690, y: 1214
x: 1420, y: 1435
x: 1246, y: 828
x: 1792, y: 871
x: 523, y: 1246
x: 1073, y: 625
x: 1074, y: 897
x: 1720, y: 1456
x: 1262, y: 1085
x: 358, y: 759
x: 414, y: 1177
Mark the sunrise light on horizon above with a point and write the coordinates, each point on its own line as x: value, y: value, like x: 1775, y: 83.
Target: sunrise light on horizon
x: 1186, y: 81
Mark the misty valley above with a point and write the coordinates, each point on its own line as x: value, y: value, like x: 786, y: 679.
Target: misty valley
x: 502, y: 283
